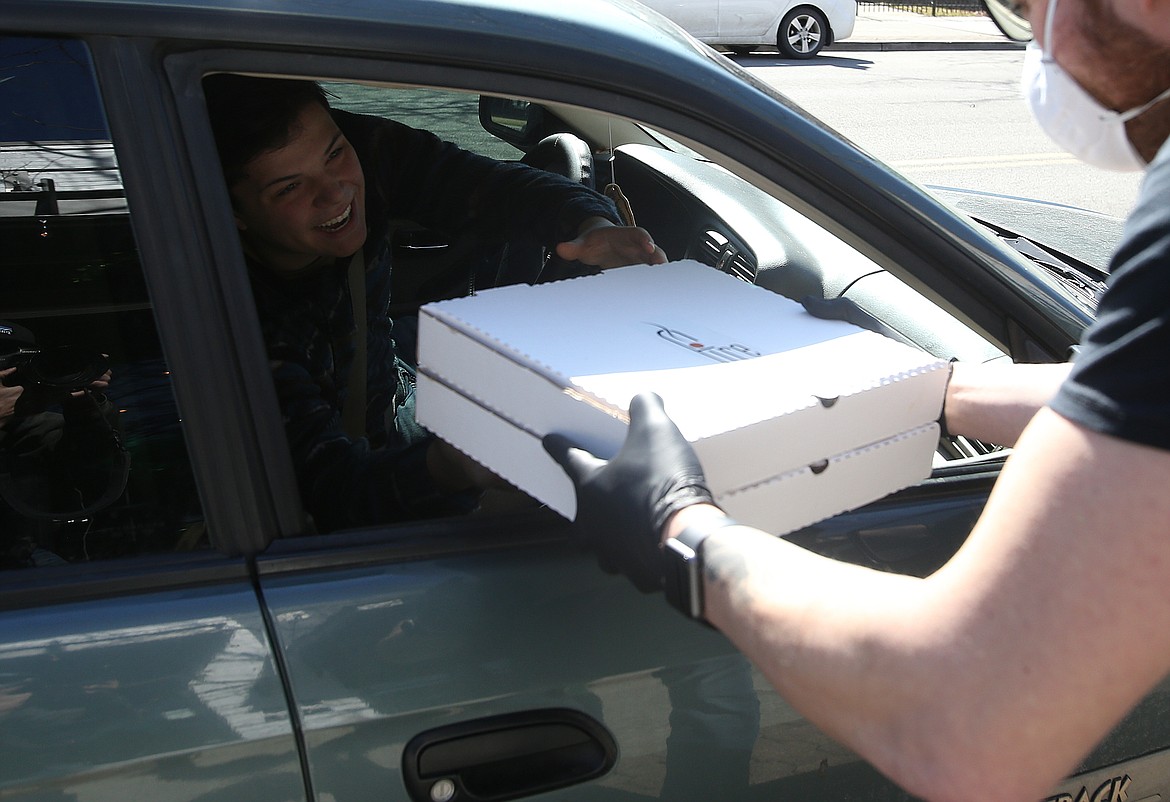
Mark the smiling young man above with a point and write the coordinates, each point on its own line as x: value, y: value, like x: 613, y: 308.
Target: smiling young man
x: 993, y: 677
x: 314, y: 191
x: 304, y: 202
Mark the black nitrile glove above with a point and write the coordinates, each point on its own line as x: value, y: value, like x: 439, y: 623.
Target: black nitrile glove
x: 623, y: 504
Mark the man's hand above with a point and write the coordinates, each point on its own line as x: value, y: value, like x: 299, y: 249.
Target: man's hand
x: 454, y: 471
x: 602, y: 244
x: 8, y: 397
x: 624, y: 504
x: 98, y: 385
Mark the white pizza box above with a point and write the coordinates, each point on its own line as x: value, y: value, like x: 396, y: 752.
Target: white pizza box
x: 767, y: 394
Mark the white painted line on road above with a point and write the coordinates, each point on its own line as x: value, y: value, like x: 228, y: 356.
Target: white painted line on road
x: 1005, y: 160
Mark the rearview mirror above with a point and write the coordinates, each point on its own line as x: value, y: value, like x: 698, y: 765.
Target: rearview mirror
x: 517, y: 122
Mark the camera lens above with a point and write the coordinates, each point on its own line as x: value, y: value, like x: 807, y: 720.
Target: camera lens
x: 68, y: 367
x: 12, y: 356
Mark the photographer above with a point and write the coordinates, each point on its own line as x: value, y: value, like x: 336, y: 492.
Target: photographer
x: 61, y: 456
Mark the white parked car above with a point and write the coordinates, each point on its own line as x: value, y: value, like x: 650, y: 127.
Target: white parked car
x: 799, y: 28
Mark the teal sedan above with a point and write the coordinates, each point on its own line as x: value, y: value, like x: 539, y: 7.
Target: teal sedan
x: 172, y: 624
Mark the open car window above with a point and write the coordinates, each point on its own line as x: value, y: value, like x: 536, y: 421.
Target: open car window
x: 695, y: 206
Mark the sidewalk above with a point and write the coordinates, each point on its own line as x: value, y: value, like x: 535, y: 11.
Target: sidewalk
x: 886, y: 29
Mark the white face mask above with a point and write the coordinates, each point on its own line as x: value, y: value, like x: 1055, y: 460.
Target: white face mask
x: 1071, y: 117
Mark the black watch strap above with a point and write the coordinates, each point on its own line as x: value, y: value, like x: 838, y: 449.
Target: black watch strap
x: 684, y: 567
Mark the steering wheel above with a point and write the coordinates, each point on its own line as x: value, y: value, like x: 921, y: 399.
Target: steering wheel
x: 524, y: 263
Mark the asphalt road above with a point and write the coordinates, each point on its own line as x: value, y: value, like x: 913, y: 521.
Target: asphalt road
x: 946, y: 118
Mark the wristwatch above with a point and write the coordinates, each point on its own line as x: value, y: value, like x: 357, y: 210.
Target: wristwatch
x: 684, y: 568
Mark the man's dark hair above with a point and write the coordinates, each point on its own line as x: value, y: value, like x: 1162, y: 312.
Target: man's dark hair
x: 251, y: 115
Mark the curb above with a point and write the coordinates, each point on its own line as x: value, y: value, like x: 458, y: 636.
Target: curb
x: 847, y: 46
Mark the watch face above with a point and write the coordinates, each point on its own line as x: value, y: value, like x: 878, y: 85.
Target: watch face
x: 684, y: 577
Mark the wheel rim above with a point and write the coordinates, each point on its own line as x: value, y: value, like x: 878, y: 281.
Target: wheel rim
x: 804, y: 34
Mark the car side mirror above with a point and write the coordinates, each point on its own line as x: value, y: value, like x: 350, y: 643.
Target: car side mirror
x: 517, y: 122
x: 1006, y: 16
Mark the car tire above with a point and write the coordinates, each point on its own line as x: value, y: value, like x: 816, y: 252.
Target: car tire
x: 802, y: 33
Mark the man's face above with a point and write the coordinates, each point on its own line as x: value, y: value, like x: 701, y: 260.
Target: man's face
x: 1152, y: 17
x: 1096, y: 43
x: 1120, y: 65
x: 1078, y: 56
x: 304, y: 200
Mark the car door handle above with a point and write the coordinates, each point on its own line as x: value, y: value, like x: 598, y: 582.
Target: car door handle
x: 508, y: 756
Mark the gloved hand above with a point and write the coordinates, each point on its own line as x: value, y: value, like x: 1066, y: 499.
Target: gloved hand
x: 624, y: 504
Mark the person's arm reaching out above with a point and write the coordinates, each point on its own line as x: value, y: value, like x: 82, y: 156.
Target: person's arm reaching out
x: 994, y: 403
x: 602, y: 244
x: 989, y: 679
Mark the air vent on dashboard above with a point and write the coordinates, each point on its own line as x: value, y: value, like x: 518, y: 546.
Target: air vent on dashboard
x: 719, y: 252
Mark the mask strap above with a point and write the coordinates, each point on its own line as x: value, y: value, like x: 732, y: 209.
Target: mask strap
x: 1129, y: 115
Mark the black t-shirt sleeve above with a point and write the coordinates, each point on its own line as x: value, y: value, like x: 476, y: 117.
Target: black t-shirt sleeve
x: 1120, y: 383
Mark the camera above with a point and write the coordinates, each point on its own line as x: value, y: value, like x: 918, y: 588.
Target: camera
x: 66, y: 368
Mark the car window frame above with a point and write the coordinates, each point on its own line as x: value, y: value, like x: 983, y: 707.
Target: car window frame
x: 203, y: 308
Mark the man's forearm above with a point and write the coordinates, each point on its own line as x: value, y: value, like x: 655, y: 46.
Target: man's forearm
x: 929, y: 679
x: 994, y: 403
x: 804, y: 622
x: 871, y: 658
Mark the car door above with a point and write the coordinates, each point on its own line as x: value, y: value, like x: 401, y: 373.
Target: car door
x: 747, y: 20
x: 135, y: 661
